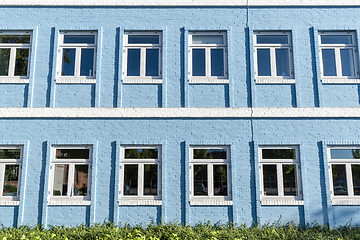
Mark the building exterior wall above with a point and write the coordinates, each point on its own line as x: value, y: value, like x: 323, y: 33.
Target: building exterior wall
x: 241, y: 114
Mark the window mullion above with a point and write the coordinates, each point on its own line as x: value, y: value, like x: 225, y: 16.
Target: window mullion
x: 210, y: 180
x: 2, y: 176
x: 280, y: 180
x: 272, y: 61
x: 207, y: 62
x: 12, y: 60
x: 71, y: 180
x: 338, y: 62
x: 141, y: 180
x: 77, y: 61
x: 142, y: 61
x: 349, y: 180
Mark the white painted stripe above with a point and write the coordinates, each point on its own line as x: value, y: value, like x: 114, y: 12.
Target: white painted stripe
x: 180, y: 3
x: 179, y: 112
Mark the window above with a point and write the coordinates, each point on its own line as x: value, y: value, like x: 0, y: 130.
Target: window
x: 210, y: 173
x: 10, y: 172
x: 273, y: 55
x: 142, y: 58
x: 338, y: 55
x: 344, y: 172
x: 77, y: 55
x: 280, y: 174
x: 70, y: 173
x: 15, y: 54
x: 207, y: 55
x: 141, y: 173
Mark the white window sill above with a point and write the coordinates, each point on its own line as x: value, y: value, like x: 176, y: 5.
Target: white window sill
x: 14, y: 80
x: 209, y: 202
x: 69, y: 202
x: 274, y: 81
x: 142, y: 81
x: 139, y: 202
x: 345, y: 202
x: 281, y: 202
x: 9, y: 203
x: 340, y: 80
x: 208, y: 81
x: 74, y: 80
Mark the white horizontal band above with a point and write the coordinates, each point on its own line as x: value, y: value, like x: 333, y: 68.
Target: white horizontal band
x: 139, y: 202
x: 211, y: 202
x: 141, y: 81
x: 179, y: 112
x: 274, y: 81
x: 9, y: 203
x: 208, y: 81
x: 281, y: 202
x: 14, y: 80
x: 180, y: 3
x: 75, y: 81
x: 340, y: 81
x: 69, y: 202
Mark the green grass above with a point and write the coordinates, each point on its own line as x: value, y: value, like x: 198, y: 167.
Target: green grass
x: 177, y: 231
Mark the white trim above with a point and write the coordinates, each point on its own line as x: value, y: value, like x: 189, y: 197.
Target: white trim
x: 211, y: 202
x: 68, y: 203
x: 282, y: 202
x: 72, y: 80
x: 9, y: 203
x: 260, y: 80
x: 181, y: 3
x: 142, y: 81
x: 139, y: 202
x: 208, y: 81
x: 340, y: 80
x: 14, y: 80
x: 345, y: 202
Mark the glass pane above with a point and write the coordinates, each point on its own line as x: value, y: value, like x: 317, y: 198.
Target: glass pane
x: 87, y: 62
x: 81, y: 176
x: 270, y: 180
x: 143, y: 39
x: 10, y: 153
x: 198, y: 62
x: 152, y: 62
x: 220, y: 180
x: 269, y: 39
x: 22, y: 61
x: 278, y: 154
x: 355, y: 169
x: 4, y: 61
x: 347, y: 62
x: 72, y: 153
x: 88, y: 39
x: 133, y: 62
x: 130, y: 179
x: 207, y: 39
x: 150, y: 179
x: 68, y: 63
x: 289, y: 179
x: 263, y: 62
x: 345, y: 153
x: 336, y: 39
x: 217, y: 62
x: 11, y: 180
x: 200, y: 180
x: 339, y: 179
x: 14, y: 38
x: 329, y: 65
x: 282, y: 62
x: 141, y: 153
x: 209, y: 154
x: 61, y: 176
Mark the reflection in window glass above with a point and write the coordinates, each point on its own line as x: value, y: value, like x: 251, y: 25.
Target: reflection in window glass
x: 72, y: 153
x: 11, y: 180
x: 152, y: 62
x: 4, y: 61
x: 209, y: 153
x: 329, y: 65
x: 263, y: 62
x: 345, y: 153
x: 220, y: 180
x: 130, y: 179
x: 133, y: 62
x: 68, y: 62
x: 336, y: 39
x: 143, y: 39
x: 278, y: 154
x: 339, y: 179
x: 10, y: 153
x: 24, y: 39
x: 289, y: 180
x: 200, y: 180
x: 87, y: 39
x: 198, y: 62
x: 270, y: 180
x: 355, y: 169
x: 150, y: 179
x: 60, y: 184
x: 21, y: 62
x: 347, y: 62
x: 282, y: 62
x: 81, y: 180
x: 141, y: 153
x: 87, y: 62
x: 272, y: 39
x: 217, y: 62
x: 207, y: 39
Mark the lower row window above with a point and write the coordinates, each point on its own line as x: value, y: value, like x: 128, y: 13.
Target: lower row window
x: 10, y: 168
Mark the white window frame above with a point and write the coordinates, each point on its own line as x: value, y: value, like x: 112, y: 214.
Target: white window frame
x: 274, y: 78
x: 337, y: 48
x: 78, y: 47
x: 143, y: 47
x: 349, y: 199
x: 69, y: 199
x: 208, y: 78
x: 140, y: 199
x: 3, y: 162
x: 210, y: 199
x: 11, y: 78
x: 281, y: 199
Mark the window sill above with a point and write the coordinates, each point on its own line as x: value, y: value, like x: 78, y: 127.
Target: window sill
x: 142, y: 81
x: 14, y: 80
x: 211, y: 202
x: 69, y: 202
x: 340, y: 81
x: 208, y: 81
x: 281, y: 202
x: 345, y: 202
x: 9, y: 203
x: 139, y: 202
x: 274, y: 81
x: 75, y: 81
